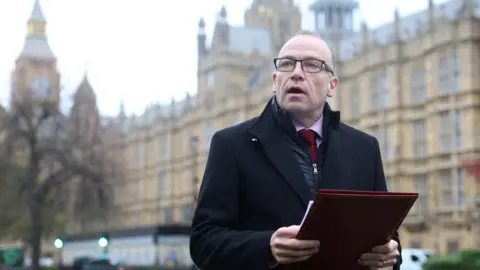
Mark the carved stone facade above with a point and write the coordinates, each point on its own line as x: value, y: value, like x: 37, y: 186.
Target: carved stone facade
x: 419, y: 96
x: 414, y: 85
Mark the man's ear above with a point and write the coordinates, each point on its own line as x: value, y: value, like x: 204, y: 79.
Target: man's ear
x: 332, y: 86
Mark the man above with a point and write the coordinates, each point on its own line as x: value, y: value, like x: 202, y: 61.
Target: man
x: 261, y: 174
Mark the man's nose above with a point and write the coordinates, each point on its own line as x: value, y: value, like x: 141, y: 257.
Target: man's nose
x: 297, y: 73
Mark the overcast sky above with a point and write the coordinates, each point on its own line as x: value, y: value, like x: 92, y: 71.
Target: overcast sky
x: 138, y: 51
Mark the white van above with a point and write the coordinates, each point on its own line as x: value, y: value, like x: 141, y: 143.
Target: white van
x: 413, y: 259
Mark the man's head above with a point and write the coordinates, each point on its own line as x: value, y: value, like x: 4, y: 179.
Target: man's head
x: 305, y: 75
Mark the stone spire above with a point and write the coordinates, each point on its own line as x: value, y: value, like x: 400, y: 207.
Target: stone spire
x: 36, y: 44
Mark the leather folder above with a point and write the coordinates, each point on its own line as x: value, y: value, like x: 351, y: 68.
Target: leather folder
x: 349, y: 224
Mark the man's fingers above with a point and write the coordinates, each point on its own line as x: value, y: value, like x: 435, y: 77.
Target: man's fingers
x: 386, y: 248
x: 375, y: 262
x: 378, y: 264
x: 290, y: 231
x: 287, y: 249
x: 295, y: 244
x: 283, y: 242
x: 378, y: 257
x: 295, y: 253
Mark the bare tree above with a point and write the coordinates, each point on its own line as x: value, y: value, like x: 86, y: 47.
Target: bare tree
x: 12, y: 223
x: 37, y: 137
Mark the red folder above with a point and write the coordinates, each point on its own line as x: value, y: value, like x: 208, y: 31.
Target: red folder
x: 350, y: 223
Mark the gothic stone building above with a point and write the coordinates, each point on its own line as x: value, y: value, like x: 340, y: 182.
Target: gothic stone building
x: 413, y: 83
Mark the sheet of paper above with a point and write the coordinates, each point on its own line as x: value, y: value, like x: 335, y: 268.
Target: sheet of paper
x: 306, y: 212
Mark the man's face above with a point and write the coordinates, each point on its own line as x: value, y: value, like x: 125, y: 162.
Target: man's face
x: 303, y: 91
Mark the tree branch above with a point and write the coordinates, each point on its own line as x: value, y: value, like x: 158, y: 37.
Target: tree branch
x: 43, y: 150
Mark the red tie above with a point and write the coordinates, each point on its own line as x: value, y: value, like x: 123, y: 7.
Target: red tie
x: 310, y: 137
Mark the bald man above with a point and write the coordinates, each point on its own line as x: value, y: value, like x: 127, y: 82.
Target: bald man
x: 261, y: 174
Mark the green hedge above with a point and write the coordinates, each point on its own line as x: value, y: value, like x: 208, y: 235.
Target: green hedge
x: 465, y: 260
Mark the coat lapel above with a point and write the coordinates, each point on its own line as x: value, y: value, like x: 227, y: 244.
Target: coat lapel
x: 276, y: 147
x: 283, y: 158
x: 331, y: 167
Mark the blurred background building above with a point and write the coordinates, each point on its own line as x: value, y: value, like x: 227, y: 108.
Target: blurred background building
x: 413, y: 83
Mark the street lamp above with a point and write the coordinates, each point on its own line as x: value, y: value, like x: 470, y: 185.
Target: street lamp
x: 103, y: 243
x: 58, y: 244
x: 194, y: 141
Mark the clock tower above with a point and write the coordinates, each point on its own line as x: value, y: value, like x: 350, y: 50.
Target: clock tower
x: 35, y: 76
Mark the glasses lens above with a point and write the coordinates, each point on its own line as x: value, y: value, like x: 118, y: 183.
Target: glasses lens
x: 308, y: 65
x: 312, y: 65
x: 285, y: 64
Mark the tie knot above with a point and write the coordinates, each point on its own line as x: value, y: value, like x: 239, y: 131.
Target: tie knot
x: 309, y: 136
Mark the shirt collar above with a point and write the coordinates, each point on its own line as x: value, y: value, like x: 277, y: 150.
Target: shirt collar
x: 317, y: 127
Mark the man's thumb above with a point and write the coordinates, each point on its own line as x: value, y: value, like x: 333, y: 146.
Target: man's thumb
x: 288, y: 231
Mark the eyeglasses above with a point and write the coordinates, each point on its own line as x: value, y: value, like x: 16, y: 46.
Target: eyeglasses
x: 308, y: 65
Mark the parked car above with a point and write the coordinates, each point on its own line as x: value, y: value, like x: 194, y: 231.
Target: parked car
x: 413, y: 259
x: 99, y: 264
x: 122, y: 265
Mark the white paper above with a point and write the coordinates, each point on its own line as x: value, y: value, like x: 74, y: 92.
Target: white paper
x: 306, y: 212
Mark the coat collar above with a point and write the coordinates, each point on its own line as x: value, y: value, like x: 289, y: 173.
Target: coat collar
x: 270, y: 129
x: 265, y: 123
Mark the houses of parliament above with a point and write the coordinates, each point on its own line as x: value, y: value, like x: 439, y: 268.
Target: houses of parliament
x: 413, y: 83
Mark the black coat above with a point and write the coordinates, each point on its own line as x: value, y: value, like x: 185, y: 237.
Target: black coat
x: 253, y: 185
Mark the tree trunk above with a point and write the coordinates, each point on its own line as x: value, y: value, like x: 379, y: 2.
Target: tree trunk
x: 26, y: 249
x: 36, y: 233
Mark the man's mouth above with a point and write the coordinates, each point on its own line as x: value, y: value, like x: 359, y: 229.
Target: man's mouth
x: 295, y: 90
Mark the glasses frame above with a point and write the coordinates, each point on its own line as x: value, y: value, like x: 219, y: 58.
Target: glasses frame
x: 325, y: 66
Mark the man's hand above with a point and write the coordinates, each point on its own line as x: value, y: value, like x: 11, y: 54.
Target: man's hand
x: 286, y: 249
x: 381, y: 257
